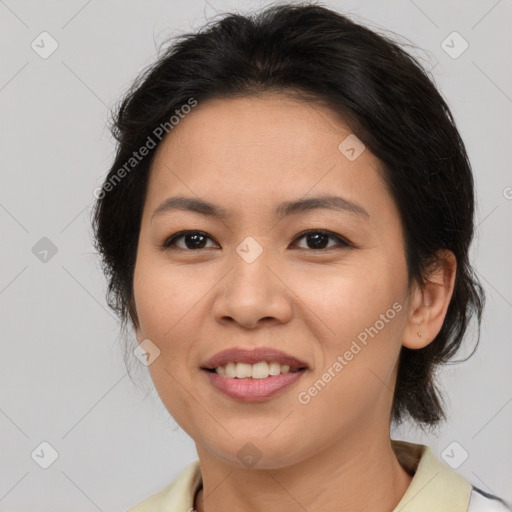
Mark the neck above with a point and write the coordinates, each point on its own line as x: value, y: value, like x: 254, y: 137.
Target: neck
x: 354, y: 476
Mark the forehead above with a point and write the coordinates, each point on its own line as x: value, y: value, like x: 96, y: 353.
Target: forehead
x: 275, y: 128
x: 260, y: 150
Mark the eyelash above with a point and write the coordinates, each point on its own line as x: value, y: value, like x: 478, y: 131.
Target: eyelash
x: 344, y: 243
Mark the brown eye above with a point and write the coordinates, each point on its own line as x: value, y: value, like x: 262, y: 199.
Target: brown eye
x: 193, y: 240
x: 318, y: 239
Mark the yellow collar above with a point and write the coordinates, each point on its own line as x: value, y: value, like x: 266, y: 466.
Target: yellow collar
x: 434, y: 485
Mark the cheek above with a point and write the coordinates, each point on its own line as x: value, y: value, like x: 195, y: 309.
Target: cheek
x: 347, y: 299
x: 164, y: 296
x: 167, y: 306
x: 357, y: 353
x: 357, y: 315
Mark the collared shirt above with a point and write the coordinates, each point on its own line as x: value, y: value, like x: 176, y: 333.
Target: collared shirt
x: 434, y: 487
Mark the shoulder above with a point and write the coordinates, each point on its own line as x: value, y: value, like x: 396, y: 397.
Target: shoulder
x: 153, y: 502
x: 481, y: 501
x: 437, y: 487
x: 178, y: 495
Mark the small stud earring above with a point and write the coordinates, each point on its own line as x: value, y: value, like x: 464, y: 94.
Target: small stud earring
x: 419, y: 334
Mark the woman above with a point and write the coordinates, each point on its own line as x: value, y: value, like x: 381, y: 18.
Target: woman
x: 286, y: 226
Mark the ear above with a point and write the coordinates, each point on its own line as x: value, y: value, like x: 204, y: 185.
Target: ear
x: 429, y: 302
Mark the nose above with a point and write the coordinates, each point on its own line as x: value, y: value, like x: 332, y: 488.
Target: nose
x: 252, y: 294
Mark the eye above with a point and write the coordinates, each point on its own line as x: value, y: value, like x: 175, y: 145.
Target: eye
x: 193, y: 240
x: 316, y: 239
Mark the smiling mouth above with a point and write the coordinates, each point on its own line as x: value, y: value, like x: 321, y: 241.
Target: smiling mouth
x: 238, y: 382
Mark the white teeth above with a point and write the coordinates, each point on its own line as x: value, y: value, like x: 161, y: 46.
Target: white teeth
x: 259, y: 370
x: 274, y: 368
x: 230, y: 370
x: 243, y: 370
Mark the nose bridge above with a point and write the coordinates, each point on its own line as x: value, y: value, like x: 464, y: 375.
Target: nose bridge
x: 250, y: 250
x: 250, y: 277
x: 252, y: 291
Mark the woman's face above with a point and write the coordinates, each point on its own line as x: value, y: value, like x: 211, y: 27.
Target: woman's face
x: 252, y: 279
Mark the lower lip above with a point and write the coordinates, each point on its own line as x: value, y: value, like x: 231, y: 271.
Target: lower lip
x: 253, y: 390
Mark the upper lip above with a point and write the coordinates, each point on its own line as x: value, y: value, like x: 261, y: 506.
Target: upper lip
x: 252, y: 356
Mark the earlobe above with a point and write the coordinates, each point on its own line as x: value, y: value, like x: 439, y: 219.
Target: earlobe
x: 430, y: 301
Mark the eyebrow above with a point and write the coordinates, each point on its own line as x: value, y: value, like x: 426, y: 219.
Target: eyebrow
x: 282, y: 210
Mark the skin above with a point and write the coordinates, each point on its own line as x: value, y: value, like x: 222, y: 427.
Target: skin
x: 247, y: 155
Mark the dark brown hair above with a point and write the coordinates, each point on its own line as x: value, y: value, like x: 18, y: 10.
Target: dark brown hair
x: 377, y: 88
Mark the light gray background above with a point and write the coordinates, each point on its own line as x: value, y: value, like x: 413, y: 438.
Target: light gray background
x: 62, y: 378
